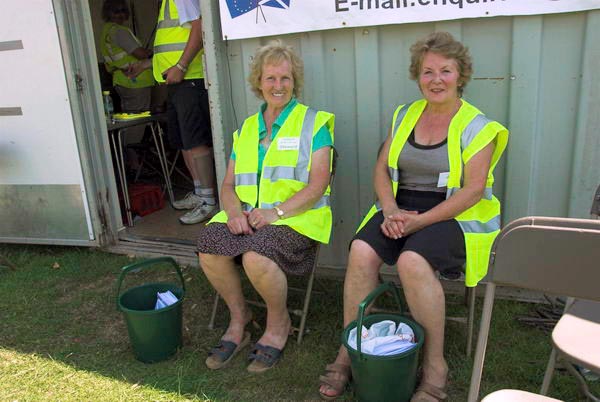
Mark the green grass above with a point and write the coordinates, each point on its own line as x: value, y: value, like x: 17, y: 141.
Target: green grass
x: 62, y: 339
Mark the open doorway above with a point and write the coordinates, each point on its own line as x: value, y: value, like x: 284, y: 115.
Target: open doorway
x: 139, y: 170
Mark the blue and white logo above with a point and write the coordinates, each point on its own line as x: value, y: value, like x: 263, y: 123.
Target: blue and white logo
x: 241, y: 7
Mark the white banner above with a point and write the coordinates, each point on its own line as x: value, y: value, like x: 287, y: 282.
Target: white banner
x: 253, y: 18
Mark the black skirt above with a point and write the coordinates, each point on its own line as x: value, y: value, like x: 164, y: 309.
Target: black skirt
x: 441, y: 244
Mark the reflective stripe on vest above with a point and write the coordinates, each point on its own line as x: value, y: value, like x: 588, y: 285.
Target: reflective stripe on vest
x: 481, y: 222
x: 169, y: 44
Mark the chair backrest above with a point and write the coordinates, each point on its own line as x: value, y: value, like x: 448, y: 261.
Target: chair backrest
x: 553, y: 255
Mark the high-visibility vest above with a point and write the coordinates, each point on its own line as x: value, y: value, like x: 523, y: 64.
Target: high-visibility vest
x: 469, y: 132
x: 285, y: 171
x: 116, y: 59
x: 169, y: 43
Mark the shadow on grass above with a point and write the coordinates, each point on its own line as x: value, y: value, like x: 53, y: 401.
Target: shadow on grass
x: 60, y: 304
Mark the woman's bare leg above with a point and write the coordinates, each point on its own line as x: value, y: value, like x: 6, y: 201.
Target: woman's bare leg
x: 425, y: 297
x: 225, y: 278
x: 271, y: 284
x: 362, y: 277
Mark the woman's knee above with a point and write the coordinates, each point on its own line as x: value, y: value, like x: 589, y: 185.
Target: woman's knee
x: 256, y: 264
x: 412, y: 265
x: 211, y: 261
x: 363, y: 256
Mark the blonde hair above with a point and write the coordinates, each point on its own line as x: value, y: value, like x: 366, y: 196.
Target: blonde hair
x: 444, y: 44
x: 274, y: 53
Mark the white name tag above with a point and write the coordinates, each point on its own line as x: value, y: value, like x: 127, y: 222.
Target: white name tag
x: 288, y: 144
x: 443, y: 179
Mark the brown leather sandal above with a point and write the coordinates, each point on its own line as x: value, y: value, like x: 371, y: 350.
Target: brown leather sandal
x: 337, y: 376
x: 427, y: 392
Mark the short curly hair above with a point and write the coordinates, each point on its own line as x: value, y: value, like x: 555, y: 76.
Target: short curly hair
x: 110, y: 5
x: 274, y: 53
x: 444, y: 44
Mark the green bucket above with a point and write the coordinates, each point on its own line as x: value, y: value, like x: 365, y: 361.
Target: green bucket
x: 383, y: 378
x: 155, y: 335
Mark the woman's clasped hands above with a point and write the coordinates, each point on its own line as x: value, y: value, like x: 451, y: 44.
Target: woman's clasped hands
x: 400, y: 222
x: 247, y: 222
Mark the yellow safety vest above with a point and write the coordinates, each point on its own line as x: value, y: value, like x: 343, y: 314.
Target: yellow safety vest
x: 285, y: 171
x: 169, y: 43
x: 116, y: 59
x: 469, y: 132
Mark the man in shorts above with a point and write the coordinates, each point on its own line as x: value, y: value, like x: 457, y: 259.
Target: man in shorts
x: 177, y: 61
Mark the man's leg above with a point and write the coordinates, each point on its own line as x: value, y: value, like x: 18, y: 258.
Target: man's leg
x: 190, y: 101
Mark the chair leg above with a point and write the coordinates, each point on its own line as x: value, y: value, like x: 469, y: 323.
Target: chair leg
x: 307, y: 297
x: 582, y: 384
x: 470, y: 294
x: 484, y: 330
x: 549, y: 373
x: 211, y: 323
x: 553, y: 356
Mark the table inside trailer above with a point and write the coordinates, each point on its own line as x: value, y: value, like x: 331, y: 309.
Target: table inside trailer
x: 117, y: 128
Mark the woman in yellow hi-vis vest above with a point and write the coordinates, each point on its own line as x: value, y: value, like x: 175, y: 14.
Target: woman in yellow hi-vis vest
x: 120, y: 50
x: 435, y: 210
x: 276, y: 208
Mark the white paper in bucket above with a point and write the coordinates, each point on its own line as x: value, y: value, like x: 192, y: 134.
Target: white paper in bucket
x: 165, y: 299
x: 384, y: 339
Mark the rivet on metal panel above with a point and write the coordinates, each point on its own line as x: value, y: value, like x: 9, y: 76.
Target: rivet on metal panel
x: 365, y: 31
x: 512, y: 77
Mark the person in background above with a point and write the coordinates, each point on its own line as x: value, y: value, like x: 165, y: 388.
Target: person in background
x: 435, y: 209
x: 177, y: 62
x: 121, y: 50
x: 276, y: 206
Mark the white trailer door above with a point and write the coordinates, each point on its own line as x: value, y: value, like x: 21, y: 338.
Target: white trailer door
x: 42, y: 194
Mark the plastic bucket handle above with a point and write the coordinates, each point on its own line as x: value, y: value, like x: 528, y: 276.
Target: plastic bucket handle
x: 139, y: 266
x: 384, y: 287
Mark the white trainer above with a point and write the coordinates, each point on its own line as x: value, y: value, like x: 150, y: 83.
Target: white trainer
x: 201, y: 213
x: 190, y: 201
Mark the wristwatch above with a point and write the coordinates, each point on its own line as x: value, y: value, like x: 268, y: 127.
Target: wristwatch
x: 181, y: 67
x: 280, y: 212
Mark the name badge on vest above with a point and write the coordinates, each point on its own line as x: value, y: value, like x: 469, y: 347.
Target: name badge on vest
x: 443, y: 179
x: 288, y: 144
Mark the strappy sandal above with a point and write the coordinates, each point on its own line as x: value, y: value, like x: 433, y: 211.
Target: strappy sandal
x: 224, y: 352
x: 426, y: 391
x: 337, y: 376
x: 263, y: 358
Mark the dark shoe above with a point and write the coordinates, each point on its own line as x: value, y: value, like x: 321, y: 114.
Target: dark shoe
x: 223, y: 353
x: 263, y: 358
x: 337, y: 376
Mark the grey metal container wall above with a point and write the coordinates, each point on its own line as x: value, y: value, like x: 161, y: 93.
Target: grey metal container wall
x: 538, y: 75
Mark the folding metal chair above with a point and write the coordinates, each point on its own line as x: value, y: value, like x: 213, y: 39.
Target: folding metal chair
x: 553, y: 255
x: 575, y: 336
x: 303, y: 312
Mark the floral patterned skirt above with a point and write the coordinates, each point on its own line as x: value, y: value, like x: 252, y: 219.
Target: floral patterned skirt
x: 294, y: 253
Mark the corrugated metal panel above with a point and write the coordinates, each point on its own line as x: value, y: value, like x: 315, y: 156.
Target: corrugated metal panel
x: 538, y: 75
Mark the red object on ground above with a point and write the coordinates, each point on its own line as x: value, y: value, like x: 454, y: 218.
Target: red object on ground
x: 145, y: 198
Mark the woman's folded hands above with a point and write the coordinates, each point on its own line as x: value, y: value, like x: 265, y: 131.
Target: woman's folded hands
x: 399, y: 222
